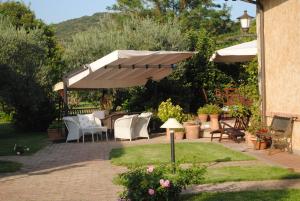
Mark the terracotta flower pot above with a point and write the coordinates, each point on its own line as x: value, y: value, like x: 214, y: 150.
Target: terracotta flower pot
x: 203, y: 117
x: 249, y: 138
x: 188, y: 123
x: 55, y: 134
x: 192, y: 131
x: 259, y: 145
x: 179, y: 135
x: 167, y: 133
x: 214, y: 121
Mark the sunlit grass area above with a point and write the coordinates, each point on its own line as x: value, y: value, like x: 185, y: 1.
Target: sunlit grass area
x: 271, y: 195
x: 185, y: 153
x: 247, y: 173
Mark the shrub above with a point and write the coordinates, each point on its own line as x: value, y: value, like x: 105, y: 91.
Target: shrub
x: 167, y: 110
x: 56, y: 125
x: 213, y: 109
x: 202, y: 110
x: 158, y: 184
x: 239, y: 110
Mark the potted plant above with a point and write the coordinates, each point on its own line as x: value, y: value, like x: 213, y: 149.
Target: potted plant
x: 202, y: 114
x: 179, y: 133
x: 167, y: 110
x: 255, y: 127
x: 214, y: 111
x: 192, y: 128
x: 56, y: 131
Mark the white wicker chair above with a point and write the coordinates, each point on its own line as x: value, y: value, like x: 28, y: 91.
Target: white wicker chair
x: 141, y: 128
x: 73, y: 127
x: 88, y: 125
x: 124, y: 127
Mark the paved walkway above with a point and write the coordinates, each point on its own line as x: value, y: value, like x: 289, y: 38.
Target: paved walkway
x: 63, y: 172
x: 83, y: 172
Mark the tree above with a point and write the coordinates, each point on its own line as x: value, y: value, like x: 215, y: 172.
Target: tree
x: 131, y: 33
x: 22, y: 56
x: 21, y: 17
x: 192, y: 14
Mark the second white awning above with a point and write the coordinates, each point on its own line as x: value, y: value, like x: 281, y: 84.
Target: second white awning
x: 237, y: 53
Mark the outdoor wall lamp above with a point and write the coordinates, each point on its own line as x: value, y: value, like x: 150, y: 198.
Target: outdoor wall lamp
x: 245, y: 20
x: 172, y: 124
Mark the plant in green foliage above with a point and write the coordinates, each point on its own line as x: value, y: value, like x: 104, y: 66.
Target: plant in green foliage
x: 167, y: 110
x: 22, y: 58
x: 239, y: 110
x: 202, y: 110
x: 56, y: 125
x: 213, y: 109
x: 251, y: 91
x: 158, y: 183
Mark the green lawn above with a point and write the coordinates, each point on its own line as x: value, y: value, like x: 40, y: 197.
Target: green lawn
x: 9, y: 137
x: 185, y: 153
x: 247, y: 173
x: 8, y: 166
x: 271, y: 195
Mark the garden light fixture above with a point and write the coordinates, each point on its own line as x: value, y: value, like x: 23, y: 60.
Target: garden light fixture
x: 172, y: 124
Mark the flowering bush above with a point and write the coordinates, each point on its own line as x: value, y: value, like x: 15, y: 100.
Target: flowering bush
x: 167, y: 110
x: 157, y: 183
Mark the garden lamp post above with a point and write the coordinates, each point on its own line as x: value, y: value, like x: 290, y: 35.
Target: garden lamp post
x: 172, y: 124
x: 245, y: 21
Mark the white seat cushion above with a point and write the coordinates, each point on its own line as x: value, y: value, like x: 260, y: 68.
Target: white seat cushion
x: 86, y: 120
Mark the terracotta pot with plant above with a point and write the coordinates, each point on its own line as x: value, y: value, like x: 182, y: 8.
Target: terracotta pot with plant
x: 56, y: 131
x: 167, y: 110
x: 202, y: 114
x: 214, y: 111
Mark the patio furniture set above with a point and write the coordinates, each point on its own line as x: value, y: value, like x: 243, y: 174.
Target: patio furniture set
x: 278, y: 135
x: 127, y: 127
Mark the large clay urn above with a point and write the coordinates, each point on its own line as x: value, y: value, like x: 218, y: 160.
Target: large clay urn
x: 192, y: 131
x: 214, y: 121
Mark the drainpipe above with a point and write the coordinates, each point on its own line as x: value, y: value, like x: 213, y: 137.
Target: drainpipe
x: 260, y: 10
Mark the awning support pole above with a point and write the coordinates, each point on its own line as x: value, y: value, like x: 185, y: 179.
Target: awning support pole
x: 66, y: 108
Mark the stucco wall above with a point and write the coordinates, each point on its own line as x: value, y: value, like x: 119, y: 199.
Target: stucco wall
x: 282, y: 59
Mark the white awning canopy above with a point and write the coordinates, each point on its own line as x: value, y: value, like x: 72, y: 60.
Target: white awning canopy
x: 237, y: 53
x: 124, y: 68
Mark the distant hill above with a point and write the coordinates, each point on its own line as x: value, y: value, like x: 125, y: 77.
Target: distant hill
x: 65, y: 30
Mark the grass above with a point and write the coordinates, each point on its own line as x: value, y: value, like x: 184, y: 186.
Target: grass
x: 8, y: 166
x: 270, y: 195
x: 185, y: 153
x: 9, y: 137
x: 247, y: 173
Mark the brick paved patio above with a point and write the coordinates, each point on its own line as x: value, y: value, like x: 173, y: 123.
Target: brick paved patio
x: 62, y: 172
x: 82, y: 172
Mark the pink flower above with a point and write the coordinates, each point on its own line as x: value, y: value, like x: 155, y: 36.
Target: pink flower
x: 150, y: 169
x: 151, y: 191
x: 164, y: 183
x: 167, y: 184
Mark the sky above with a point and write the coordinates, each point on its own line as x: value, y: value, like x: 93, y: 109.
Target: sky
x: 55, y: 11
